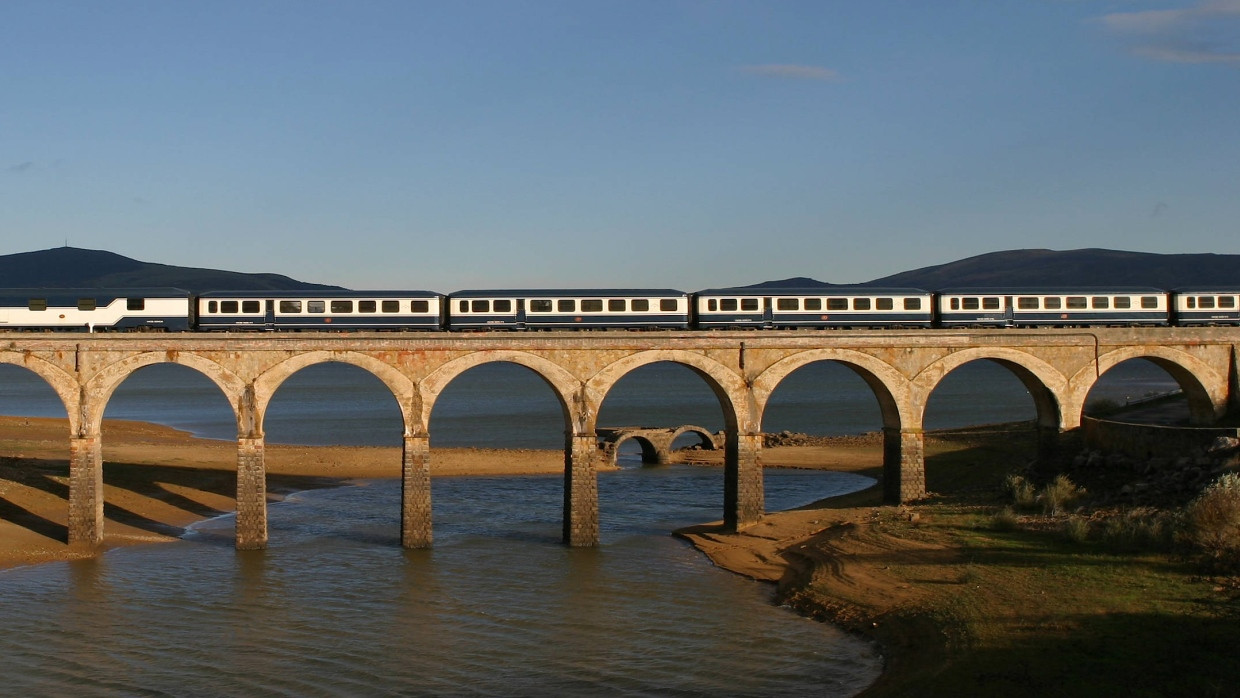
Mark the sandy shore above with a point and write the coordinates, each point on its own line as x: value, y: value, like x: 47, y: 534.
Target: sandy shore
x: 158, y: 480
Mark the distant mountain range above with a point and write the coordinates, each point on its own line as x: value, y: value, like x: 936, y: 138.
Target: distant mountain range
x: 1090, y: 267
x: 70, y: 267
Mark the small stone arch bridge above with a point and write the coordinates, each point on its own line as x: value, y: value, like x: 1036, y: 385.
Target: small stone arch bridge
x: 901, y: 367
x: 656, y: 442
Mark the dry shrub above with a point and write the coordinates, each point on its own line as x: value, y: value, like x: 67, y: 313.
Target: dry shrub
x: 1076, y: 529
x: 1212, y: 520
x: 1020, y: 490
x: 1004, y: 520
x: 1059, y: 494
x: 1141, y: 529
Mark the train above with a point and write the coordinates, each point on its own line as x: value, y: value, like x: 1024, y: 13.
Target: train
x: 831, y: 307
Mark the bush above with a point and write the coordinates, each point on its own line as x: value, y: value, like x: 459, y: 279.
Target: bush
x: 1020, y: 490
x: 1059, y: 494
x: 1076, y: 529
x: 1212, y: 520
x: 1141, y: 529
x: 1004, y: 520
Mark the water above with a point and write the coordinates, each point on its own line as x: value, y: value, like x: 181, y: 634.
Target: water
x: 498, y: 607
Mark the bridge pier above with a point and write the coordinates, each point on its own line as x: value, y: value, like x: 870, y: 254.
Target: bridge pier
x: 251, y: 495
x: 415, y: 493
x: 904, y: 465
x: 85, y: 490
x: 580, y: 490
x: 743, y: 500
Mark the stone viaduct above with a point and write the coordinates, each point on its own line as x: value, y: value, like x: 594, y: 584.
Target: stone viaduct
x: 1058, y: 366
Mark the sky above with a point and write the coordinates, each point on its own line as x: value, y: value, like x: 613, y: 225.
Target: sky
x: 628, y: 143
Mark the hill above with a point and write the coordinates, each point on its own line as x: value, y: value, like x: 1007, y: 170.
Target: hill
x: 71, y: 267
x: 1092, y: 267
x: 1089, y: 267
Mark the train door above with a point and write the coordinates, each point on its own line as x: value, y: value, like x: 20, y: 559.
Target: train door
x: 520, y: 313
x: 1009, y: 312
x: 768, y: 316
x: 269, y: 314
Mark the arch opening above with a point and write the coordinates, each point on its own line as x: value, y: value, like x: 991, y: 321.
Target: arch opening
x: 1140, y: 390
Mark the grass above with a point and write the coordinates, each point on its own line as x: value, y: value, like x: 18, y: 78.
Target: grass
x: 1027, y: 604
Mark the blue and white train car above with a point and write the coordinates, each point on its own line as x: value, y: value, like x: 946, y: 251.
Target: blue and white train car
x: 319, y: 310
x: 1054, y: 307
x: 95, y: 309
x: 1206, y: 305
x: 828, y: 306
x: 575, y: 309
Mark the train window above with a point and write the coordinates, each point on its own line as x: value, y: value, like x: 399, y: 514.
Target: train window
x: 912, y: 304
x: 1226, y: 301
x: 1076, y: 303
x: 290, y: 306
x: 1052, y: 303
x: 414, y: 306
x: 540, y: 306
x: 971, y: 303
x: 566, y: 305
x: 955, y: 304
x: 480, y: 306
x: 342, y: 306
x: 990, y: 303
x: 812, y: 304
x: 228, y: 306
x: 615, y: 305
x: 463, y: 306
x: 250, y: 306
x: 391, y: 306
x: 727, y: 304
x: 1205, y: 302
x: 135, y: 304
x: 592, y: 305
x: 1101, y: 302
x: 668, y: 304
x: 787, y: 304
x: 86, y: 304
x: 1190, y: 302
x: 367, y: 306
x: 837, y: 304
x: 861, y: 304
x: 1123, y: 302
x: 884, y: 303
x: 316, y: 306
x: 642, y: 305
x: 502, y: 306
x: 38, y: 304
x: 1027, y: 302
x: 1149, y: 302
x: 712, y: 305
x: 749, y: 304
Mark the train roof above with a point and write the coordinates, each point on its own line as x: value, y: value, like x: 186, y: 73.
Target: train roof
x: 844, y: 290
x: 1056, y: 290
x: 1207, y: 289
x: 70, y: 296
x: 311, y: 294
x: 567, y: 293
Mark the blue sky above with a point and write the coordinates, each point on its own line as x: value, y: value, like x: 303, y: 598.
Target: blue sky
x: 666, y: 143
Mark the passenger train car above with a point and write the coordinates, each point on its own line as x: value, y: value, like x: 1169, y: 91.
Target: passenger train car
x: 568, y: 309
x: 319, y: 310
x: 833, y: 306
x: 828, y: 307
x: 1040, y: 307
x: 94, y: 310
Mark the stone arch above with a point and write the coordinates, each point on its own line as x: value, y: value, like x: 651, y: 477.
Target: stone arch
x: 1046, y: 385
x: 1205, y: 387
x: 61, y: 382
x: 650, y: 452
x: 565, y: 386
x: 400, y: 385
x: 890, y: 387
x: 738, y: 413
x: 103, y: 384
x: 708, y: 439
